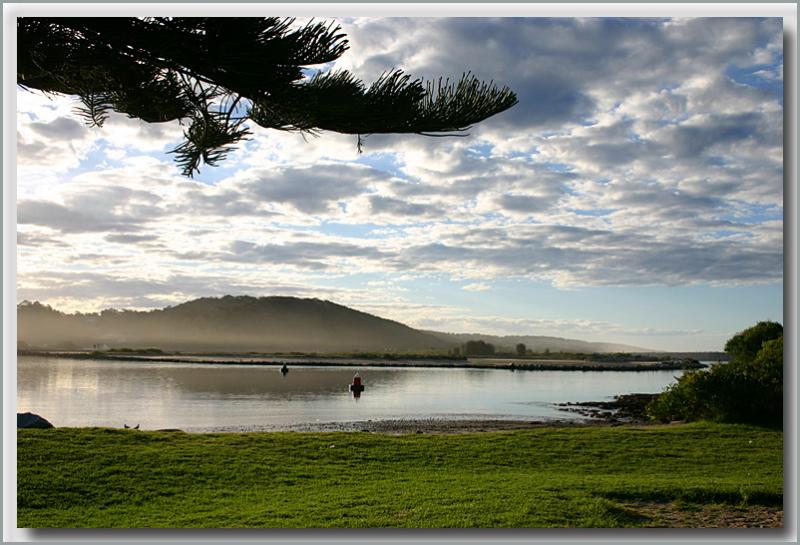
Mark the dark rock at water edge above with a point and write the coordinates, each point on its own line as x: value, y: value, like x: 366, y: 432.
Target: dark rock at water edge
x: 627, y: 408
x: 30, y: 420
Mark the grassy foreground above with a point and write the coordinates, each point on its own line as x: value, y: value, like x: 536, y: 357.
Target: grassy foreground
x: 550, y: 477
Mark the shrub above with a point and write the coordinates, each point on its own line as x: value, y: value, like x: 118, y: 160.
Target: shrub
x: 746, y: 344
x: 684, y: 400
x: 748, y: 389
x: 478, y: 348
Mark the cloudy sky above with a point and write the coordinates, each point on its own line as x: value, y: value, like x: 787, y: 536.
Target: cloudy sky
x: 635, y: 193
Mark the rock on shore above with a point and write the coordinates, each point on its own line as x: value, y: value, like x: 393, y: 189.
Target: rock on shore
x: 30, y: 420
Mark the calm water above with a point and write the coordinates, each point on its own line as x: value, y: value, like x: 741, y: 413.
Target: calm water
x: 224, y: 396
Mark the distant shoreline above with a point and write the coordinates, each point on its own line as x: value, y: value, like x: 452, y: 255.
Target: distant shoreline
x: 512, y: 364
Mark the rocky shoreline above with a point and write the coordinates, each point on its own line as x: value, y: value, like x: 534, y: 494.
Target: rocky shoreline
x: 628, y: 409
x: 624, y: 409
x: 402, y: 426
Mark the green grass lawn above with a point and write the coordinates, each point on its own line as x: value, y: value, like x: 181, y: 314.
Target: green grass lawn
x: 550, y: 477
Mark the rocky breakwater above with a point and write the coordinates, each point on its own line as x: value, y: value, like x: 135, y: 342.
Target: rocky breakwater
x: 594, y: 365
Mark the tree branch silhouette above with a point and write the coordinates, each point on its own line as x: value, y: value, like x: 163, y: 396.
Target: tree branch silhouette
x: 217, y: 74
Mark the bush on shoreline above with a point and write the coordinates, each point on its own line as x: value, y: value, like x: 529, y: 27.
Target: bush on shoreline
x: 748, y: 389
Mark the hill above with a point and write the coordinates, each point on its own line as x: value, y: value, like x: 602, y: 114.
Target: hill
x: 234, y: 324
x: 261, y: 324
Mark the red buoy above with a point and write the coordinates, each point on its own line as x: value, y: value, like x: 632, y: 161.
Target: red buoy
x: 357, y: 387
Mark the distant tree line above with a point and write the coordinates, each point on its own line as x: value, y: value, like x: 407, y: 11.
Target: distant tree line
x: 478, y: 348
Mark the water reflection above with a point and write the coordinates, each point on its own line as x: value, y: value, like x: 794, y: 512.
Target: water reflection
x: 189, y: 396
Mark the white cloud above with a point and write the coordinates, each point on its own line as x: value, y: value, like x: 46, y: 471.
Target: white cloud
x: 476, y: 287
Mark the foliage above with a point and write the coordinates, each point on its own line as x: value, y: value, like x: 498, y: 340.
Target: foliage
x: 216, y: 73
x: 478, y: 348
x: 748, y: 389
x: 521, y: 350
x: 685, y: 400
x: 549, y: 477
x: 745, y: 345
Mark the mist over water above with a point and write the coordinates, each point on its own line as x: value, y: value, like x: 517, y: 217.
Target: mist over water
x: 205, y: 397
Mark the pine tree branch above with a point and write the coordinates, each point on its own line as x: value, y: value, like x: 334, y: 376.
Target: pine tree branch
x: 205, y: 70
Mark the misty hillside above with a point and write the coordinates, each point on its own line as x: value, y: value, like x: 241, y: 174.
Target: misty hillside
x: 260, y: 324
x: 539, y: 344
x: 235, y: 324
